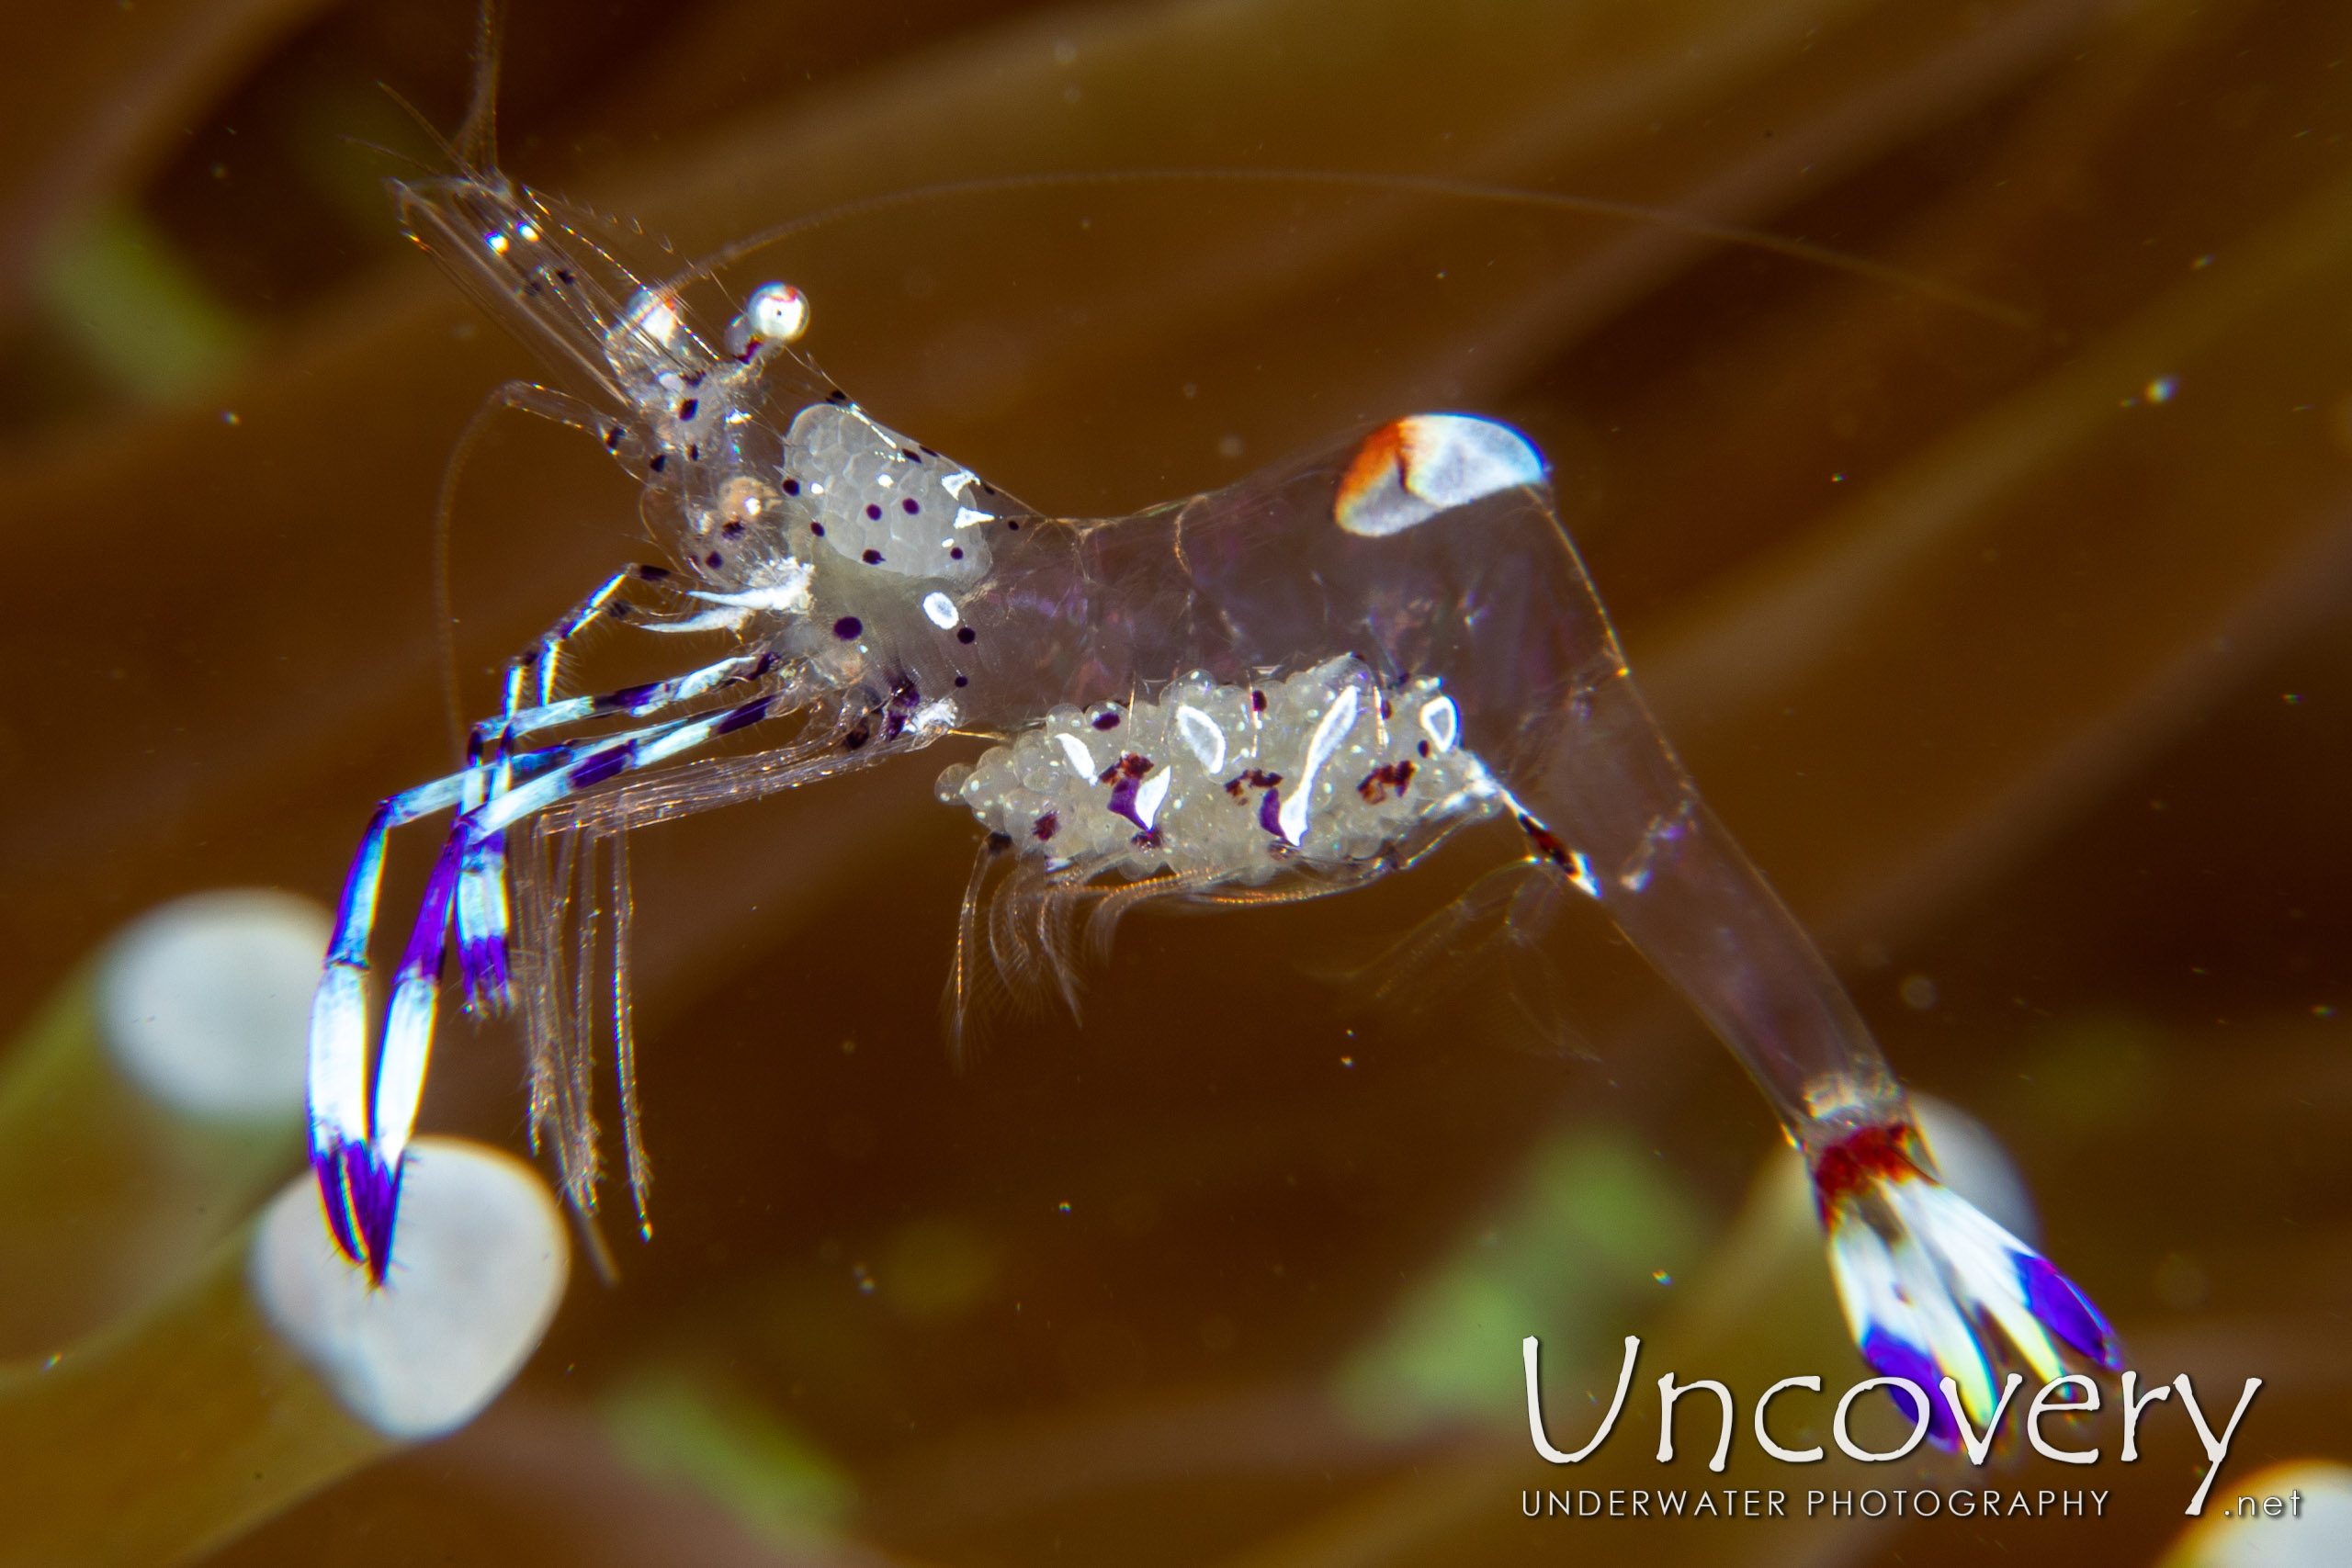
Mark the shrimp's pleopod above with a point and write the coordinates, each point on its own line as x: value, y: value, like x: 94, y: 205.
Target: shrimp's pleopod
x: 1278, y: 689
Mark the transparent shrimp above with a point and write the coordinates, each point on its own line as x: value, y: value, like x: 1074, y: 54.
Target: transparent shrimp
x: 1281, y: 689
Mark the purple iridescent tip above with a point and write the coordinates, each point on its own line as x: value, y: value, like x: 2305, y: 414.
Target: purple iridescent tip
x: 1270, y: 813
x: 327, y: 1165
x: 375, y: 1197
x: 2058, y: 1307
x: 1891, y: 1358
x: 483, y: 962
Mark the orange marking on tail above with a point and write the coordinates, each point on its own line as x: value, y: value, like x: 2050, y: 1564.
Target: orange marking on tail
x: 1383, y: 453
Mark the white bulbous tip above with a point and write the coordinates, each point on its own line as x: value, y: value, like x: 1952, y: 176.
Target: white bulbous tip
x: 1412, y: 468
x: 205, y: 1002
x: 2311, y: 1528
x: 478, y: 1267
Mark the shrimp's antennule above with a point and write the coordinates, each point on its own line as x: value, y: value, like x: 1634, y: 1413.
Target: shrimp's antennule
x: 1928, y: 1283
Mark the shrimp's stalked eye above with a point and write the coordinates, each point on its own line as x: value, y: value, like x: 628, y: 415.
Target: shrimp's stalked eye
x: 1410, y: 470
x: 776, y: 312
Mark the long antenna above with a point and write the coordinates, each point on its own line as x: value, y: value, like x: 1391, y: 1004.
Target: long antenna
x: 476, y: 141
x: 1422, y: 185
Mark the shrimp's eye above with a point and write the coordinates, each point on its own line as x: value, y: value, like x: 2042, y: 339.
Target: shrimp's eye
x: 776, y: 312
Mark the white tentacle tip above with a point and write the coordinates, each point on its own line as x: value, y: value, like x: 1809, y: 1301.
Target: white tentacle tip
x: 480, y: 1262
x: 205, y: 1002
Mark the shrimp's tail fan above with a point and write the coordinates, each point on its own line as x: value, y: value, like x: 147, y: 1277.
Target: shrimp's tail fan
x: 1933, y: 1290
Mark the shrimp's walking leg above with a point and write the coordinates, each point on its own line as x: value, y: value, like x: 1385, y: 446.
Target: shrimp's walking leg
x: 481, y: 896
x: 358, y: 1196
x: 481, y: 901
x: 482, y: 904
x: 355, y: 1147
x: 408, y: 1029
x: 338, y: 1064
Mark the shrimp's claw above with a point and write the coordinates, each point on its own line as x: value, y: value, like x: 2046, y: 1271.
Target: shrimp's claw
x: 1926, y: 1280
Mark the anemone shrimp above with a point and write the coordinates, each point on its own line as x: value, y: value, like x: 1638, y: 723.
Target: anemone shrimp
x: 1282, y: 689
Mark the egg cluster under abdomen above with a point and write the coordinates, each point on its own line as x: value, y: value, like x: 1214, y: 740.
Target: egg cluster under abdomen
x: 1327, y: 764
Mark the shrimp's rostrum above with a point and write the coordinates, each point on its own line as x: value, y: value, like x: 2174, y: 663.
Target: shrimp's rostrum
x: 1278, y: 689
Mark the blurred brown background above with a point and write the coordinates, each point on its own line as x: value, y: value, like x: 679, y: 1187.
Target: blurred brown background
x: 2012, y: 642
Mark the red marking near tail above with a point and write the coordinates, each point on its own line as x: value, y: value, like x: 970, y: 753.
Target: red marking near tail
x: 1887, y: 1152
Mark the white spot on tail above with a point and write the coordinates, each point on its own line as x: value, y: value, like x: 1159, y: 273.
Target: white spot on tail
x: 1409, y: 471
